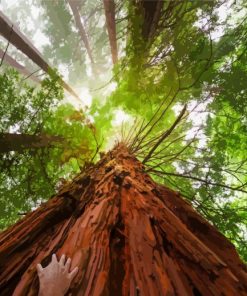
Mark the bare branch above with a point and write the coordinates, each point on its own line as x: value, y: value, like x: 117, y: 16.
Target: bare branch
x: 198, y: 179
x: 165, y: 134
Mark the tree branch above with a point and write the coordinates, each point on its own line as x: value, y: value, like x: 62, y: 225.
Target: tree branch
x: 198, y: 179
x: 165, y: 135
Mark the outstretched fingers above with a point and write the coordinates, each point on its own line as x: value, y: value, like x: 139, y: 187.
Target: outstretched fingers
x: 73, y: 273
x: 67, y: 265
x: 54, y: 266
x: 54, y: 258
x: 62, y: 260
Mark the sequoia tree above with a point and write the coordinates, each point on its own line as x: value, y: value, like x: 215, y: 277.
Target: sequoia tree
x: 127, y: 234
x: 148, y: 216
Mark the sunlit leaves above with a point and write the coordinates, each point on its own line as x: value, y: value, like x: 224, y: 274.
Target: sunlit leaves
x: 204, y: 159
x: 29, y: 177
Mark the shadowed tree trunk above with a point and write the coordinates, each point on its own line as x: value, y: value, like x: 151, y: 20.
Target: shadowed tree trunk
x: 20, y: 41
x: 19, y: 142
x: 109, y: 6
x: 128, y: 236
x: 151, y: 10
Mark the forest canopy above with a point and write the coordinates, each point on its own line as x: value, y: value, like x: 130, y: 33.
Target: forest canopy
x: 166, y: 78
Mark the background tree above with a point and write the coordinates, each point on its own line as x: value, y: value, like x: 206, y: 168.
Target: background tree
x: 29, y: 176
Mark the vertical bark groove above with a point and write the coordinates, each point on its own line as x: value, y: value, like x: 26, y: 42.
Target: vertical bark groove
x: 128, y: 236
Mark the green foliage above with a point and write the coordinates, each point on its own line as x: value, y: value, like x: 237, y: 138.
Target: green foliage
x: 183, y: 63
x: 30, y: 177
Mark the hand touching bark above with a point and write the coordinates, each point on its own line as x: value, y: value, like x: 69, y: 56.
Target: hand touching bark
x: 55, y: 279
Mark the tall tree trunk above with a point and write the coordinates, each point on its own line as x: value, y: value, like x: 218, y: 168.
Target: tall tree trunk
x: 13, y: 63
x: 109, y: 6
x: 19, y: 142
x: 128, y: 236
x: 151, y: 10
x: 81, y: 29
x: 14, y: 36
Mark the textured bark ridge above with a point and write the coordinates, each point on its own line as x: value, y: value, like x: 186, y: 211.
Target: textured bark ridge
x: 127, y: 235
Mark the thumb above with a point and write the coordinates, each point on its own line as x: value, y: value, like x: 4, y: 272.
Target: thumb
x: 73, y: 273
x: 39, y: 269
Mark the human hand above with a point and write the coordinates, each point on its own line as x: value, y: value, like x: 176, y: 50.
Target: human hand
x: 55, y: 279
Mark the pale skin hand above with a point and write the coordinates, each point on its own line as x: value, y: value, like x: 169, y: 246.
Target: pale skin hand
x: 55, y: 279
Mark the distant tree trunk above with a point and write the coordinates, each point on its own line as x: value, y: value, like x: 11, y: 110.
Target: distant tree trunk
x: 81, y: 29
x: 14, y: 64
x: 128, y: 236
x: 19, y: 142
x: 109, y: 6
x: 14, y: 36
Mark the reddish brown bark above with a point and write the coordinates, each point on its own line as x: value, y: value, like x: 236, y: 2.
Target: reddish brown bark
x: 14, y: 36
x: 109, y: 6
x: 81, y: 29
x: 19, y: 142
x: 127, y: 235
